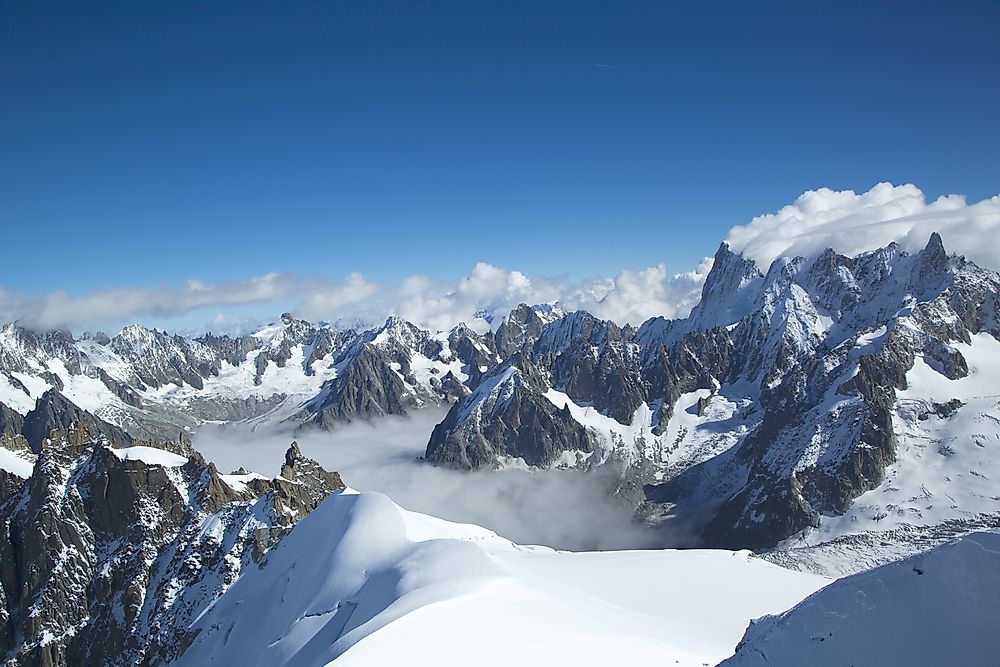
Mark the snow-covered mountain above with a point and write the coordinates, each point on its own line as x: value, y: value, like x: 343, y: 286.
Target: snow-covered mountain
x: 110, y: 553
x: 152, y: 383
x: 764, y: 415
x: 834, y: 413
x: 809, y: 406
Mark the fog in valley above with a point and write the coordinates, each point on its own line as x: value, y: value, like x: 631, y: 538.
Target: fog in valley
x: 563, y: 509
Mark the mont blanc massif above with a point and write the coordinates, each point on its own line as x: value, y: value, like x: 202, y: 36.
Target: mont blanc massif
x: 816, y: 432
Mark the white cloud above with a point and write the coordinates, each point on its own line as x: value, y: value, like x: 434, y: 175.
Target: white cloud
x: 848, y: 222
x: 326, y: 301
x: 103, y: 308
x: 851, y: 223
x: 632, y: 296
x: 564, y: 509
x: 635, y: 296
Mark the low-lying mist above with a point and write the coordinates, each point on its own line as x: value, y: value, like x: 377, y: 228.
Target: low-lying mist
x: 563, y: 509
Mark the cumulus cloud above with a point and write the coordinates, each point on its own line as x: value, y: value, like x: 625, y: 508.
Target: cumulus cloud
x: 440, y: 305
x: 631, y: 296
x: 844, y: 220
x: 852, y: 223
x: 635, y: 296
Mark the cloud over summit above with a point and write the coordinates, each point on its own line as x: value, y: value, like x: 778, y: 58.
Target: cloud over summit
x: 852, y: 223
x: 848, y: 222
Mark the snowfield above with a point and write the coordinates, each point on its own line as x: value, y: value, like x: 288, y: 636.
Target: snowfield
x: 17, y: 463
x: 362, y: 581
x: 945, y: 477
x: 937, y: 608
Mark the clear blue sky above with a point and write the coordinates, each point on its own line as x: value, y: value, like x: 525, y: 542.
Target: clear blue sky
x: 149, y: 142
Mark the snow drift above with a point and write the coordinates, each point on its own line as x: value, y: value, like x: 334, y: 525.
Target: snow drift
x: 937, y: 608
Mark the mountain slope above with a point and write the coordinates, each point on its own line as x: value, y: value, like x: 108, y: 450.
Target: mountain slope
x: 364, y: 582
x: 770, y: 409
x: 938, y: 608
x: 109, y: 553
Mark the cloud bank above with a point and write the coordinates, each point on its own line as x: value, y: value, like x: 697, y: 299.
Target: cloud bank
x: 563, y: 509
x: 844, y: 220
x: 852, y: 223
x: 631, y: 296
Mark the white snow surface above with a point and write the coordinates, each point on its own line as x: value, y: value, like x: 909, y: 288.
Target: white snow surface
x: 238, y: 483
x: 18, y: 463
x: 150, y: 456
x: 936, y: 608
x: 365, y: 582
x: 946, y: 468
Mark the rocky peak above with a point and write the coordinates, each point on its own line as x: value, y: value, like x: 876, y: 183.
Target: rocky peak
x: 507, y: 416
x: 729, y: 293
x: 109, y: 555
x: 55, y: 414
x: 305, y: 471
x: 519, y: 330
x: 932, y: 262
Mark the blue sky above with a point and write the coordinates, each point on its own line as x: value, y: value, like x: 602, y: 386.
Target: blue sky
x: 145, y: 144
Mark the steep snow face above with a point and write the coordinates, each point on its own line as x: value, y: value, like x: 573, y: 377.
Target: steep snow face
x: 492, y: 396
x: 366, y: 583
x: 938, y: 608
x: 629, y: 443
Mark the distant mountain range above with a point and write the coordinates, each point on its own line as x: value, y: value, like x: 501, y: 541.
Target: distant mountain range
x: 835, y: 412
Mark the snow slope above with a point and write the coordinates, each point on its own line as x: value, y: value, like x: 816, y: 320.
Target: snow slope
x: 367, y: 583
x: 937, y: 608
x: 19, y: 463
x: 944, y: 479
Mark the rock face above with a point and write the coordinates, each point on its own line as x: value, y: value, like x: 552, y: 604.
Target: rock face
x: 818, y: 348
x: 507, y: 416
x: 10, y: 422
x: 107, y: 555
x: 772, y: 405
x: 54, y: 414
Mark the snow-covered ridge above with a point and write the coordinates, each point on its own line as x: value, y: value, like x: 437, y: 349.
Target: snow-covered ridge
x: 151, y: 382
x: 150, y: 456
x: 363, y: 581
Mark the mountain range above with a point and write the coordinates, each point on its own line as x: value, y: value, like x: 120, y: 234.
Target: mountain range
x: 834, y: 413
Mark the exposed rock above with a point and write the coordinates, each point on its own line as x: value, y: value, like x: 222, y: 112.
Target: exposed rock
x: 11, y: 422
x: 507, y: 416
x: 55, y: 414
x: 108, y: 561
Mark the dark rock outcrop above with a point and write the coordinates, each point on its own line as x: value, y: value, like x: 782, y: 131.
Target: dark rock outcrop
x: 105, y: 560
x: 507, y: 416
x: 55, y: 413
